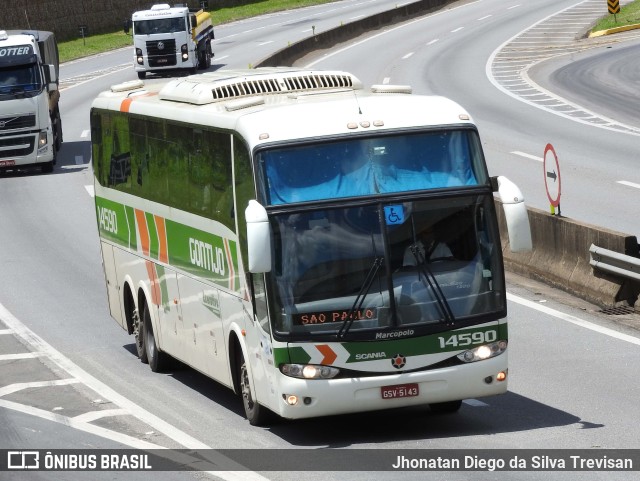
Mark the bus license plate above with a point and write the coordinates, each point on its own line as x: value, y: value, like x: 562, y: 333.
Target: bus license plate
x: 400, y: 390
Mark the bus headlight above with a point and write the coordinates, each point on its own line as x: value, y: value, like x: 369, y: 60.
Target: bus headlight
x: 483, y: 352
x: 309, y: 371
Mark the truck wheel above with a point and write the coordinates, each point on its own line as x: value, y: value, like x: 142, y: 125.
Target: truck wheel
x: 142, y: 75
x: 57, y: 132
x: 47, y: 167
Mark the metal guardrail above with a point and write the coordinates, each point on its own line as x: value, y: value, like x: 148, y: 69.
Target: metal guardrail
x: 614, y: 263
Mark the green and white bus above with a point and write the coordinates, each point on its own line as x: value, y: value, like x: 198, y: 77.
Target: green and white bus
x: 318, y: 247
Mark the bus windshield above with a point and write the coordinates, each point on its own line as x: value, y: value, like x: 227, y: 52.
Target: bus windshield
x: 421, y: 264
x: 370, y: 166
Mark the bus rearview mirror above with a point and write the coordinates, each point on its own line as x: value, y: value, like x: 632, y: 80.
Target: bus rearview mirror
x: 516, y: 215
x: 258, y: 238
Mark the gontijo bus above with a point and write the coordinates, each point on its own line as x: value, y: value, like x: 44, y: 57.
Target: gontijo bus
x: 318, y: 247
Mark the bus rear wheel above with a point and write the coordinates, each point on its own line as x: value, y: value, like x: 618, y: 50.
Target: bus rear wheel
x: 138, y: 334
x: 448, y: 407
x: 157, y: 359
x: 256, y: 414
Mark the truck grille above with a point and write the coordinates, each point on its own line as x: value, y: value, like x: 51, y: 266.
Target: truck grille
x: 16, y: 146
x: 162, y: 53
x: 12, y: 122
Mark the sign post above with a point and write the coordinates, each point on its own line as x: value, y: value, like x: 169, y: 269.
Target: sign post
x: 552, y: 178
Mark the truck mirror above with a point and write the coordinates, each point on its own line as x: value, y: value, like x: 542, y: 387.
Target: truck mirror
x: 50, y: 76
x: 258, y: 238
x: 516, y: 215
x: 194, y: 21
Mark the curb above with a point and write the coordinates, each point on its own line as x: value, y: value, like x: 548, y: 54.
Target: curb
x: 601, y: 33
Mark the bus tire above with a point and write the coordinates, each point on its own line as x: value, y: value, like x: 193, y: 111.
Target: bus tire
x: 256, y: 414
x: 138, y: 334
x: 157, y: 359
x: 448, y: 407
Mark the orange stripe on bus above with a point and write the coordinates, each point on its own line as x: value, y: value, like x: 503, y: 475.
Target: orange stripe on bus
x: 143, y: 231
x: 125, y: 105
x: 156, y: 296
x: 162, y: 239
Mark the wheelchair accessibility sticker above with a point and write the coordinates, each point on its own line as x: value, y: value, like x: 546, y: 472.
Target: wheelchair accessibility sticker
x: 394, y: 214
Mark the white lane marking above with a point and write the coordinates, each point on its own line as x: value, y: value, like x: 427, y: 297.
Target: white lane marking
x: 629, y: 184
x: 528, y: 156
x: 457, y: 29
x: 386, y: 80
x: 349, y: 47
x: 265, y: 43
x: 433, y: 41
x: 21, y: 355
x: 19, y: 386
x: 5, y: 331
x: 407, y: 56
x: 40, y: 345
x: 573, y: 319
x: 484, y: 18
x: 82, y: 426
x: 85, y: 134
x: 91, y: 190
x: 95, y: 415
x: 512, y: 7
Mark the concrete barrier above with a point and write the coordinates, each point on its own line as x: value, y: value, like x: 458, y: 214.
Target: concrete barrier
x: 343, y: 33
x: 560, y: 257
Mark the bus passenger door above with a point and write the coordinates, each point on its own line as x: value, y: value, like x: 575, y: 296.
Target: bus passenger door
x: 260, y: 348
x: 205, y: 347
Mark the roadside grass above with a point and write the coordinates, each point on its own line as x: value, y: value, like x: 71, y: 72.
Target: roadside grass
x: 629, y: 15
x: 78, y: 48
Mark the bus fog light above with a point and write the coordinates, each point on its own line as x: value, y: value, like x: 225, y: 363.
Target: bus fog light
x: 501, y: 376
x: 309, y: 371
x: 483, y: 352
x: 307, y: 401
x: 292, y: 399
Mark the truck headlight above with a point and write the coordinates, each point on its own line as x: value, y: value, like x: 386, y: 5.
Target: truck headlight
x: 309, y: 371
x: 139, y: 57
x: 184, y: 50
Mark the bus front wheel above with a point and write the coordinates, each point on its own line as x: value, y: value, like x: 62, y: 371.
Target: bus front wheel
x: 256, y: 414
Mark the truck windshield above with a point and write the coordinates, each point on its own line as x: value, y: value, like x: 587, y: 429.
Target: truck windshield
x: 20, y: 81
x: 159, y: 25
x: 360, y: 270
x: 364, y: 166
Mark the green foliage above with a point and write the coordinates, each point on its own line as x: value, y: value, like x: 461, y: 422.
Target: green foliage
x: 629, y: 15
x: 101, y: 43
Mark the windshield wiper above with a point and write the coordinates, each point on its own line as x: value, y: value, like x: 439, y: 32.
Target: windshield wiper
x: 448, y: 317
x: 364, y: 290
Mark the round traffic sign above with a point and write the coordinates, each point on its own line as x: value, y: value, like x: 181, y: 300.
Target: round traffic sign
x: 552, y: 175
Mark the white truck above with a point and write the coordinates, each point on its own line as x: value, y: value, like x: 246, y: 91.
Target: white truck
x: 167, y: 38
x: 30, y: 125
